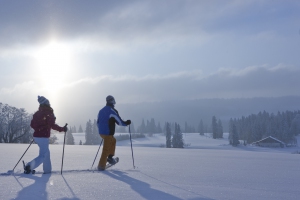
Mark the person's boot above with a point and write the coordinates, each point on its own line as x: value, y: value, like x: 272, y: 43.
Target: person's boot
x: 111, y: 160
x: 27, y: 169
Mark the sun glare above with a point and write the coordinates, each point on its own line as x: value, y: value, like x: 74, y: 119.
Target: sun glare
x: 54, y: 64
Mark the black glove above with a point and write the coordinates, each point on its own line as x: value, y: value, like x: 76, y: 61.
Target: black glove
x: 128, y: 122
x: 65, y: 128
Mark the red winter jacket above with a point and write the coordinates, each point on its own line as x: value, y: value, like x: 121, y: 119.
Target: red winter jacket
x: 43, y: 121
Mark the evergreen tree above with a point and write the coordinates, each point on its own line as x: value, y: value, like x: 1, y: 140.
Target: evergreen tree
x: 89, y: 133
x: 96, y: 136
x: 214, y: 127
x: 295, y: 125
x: 142, y: 128
x: 152, y: 126
x: 177, y: 140
x: 159, y: 130
x: 220, y: 129
x: 235, y: 137
x: 168, y: 136
x: 132, y: 129
x: 69, y: 137
x: 230, y: 136
x: 80, y: 142
x: 52, y: 138
x: 80, y: 130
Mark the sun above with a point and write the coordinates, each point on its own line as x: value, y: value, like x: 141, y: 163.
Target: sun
x: 54, y: 64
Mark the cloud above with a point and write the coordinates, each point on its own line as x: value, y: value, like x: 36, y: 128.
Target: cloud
x: 83, y: 96
x: 254, y: 81
x: 145, y: 22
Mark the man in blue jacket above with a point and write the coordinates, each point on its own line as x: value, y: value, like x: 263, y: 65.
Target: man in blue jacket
x: 108, y: 117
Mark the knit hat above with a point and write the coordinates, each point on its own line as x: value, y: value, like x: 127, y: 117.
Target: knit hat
x: 42, y: 100
x: 110, y: 99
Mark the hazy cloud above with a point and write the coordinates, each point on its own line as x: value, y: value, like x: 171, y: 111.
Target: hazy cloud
x: 255, y: 81
x: 141, y: 21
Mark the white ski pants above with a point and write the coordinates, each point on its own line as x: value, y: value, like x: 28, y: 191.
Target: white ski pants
x: 44, y: 155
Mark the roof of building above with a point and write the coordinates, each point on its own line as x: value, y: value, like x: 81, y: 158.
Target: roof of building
x: 271, y: 137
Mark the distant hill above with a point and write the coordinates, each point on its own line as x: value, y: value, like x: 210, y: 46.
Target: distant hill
x: 190, y: 111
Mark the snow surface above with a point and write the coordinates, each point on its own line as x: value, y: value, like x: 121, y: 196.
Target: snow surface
x: 206, y: 169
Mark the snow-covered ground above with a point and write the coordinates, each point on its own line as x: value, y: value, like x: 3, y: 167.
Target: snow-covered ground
x: 206, y: 169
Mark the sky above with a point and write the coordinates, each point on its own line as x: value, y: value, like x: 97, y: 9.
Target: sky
x: 77, y: 52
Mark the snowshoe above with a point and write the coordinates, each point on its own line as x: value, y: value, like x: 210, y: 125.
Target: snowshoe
x: 115, y: 161
x: 27, y: 169
x: 112, y: 160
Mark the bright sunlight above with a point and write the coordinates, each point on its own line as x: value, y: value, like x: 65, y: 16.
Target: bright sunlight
x: 54, y: 64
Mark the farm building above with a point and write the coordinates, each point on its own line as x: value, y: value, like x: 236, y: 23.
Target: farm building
x: 269, y: 142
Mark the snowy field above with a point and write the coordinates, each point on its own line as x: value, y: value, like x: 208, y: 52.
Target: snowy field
x: 206, y: 169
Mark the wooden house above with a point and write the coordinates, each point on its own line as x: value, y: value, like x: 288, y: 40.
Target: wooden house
x: 269, y: 142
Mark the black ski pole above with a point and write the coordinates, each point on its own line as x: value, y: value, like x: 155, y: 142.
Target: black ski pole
x: 24, y: 154
x: 62, y: 159
x: 97, y: 154
x: 131, y: 148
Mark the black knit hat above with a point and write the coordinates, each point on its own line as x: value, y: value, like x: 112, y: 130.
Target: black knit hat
x: 110, y: 99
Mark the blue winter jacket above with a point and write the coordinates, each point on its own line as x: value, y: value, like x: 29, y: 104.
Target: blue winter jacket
x: 107, y: 118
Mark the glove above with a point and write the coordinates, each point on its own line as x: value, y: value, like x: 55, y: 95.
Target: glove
x: 128, y: 122
x: 65, y: 129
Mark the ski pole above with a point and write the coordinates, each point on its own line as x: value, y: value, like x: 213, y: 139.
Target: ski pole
x: 24, y: 154
x: 131, y: 148
x: 62, y: 159
x: 97, y: 154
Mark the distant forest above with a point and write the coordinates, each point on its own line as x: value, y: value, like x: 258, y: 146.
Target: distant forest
x: 283, y: 126
x: 198, y: 116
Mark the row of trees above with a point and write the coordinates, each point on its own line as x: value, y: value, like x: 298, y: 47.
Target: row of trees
x: 283, y: 125
x: 217, y: 128
x: 14, y: 125
x: 91, y: 133
x: 174, y: 140
x: 15, y: 128
x: 149, y: 127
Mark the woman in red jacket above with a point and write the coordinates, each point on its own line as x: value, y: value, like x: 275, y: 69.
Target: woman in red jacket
x: 42, y: 123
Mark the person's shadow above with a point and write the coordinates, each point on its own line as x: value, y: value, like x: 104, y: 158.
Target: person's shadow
x: 37, y: 190
x: 143, y: 188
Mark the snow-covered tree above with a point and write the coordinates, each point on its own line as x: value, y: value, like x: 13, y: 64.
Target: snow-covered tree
x: 52, y: 138
x: 69, y: 137
x: 14, y: 125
